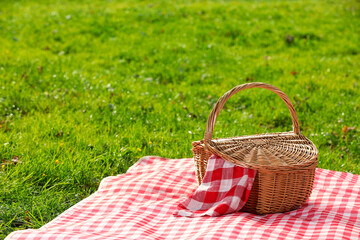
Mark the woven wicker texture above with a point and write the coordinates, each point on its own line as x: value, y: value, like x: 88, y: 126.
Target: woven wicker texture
x: 285, y: 161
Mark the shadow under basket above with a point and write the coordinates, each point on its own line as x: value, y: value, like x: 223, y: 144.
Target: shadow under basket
x: 285, y: 162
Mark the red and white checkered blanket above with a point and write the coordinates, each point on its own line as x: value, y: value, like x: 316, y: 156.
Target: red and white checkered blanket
x: 225, y: 189
x: 140, y: 205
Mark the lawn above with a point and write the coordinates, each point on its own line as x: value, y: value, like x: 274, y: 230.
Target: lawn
x: 88, y: 87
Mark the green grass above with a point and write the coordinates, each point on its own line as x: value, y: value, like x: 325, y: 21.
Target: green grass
x: 89, y: 87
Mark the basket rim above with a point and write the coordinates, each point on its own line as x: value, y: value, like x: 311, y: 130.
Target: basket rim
x: 304, y: 165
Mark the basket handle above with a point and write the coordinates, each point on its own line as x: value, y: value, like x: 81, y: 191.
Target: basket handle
x: 221, y: 102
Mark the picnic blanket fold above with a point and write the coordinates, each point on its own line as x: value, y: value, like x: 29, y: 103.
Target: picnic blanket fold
x: 224, y: 189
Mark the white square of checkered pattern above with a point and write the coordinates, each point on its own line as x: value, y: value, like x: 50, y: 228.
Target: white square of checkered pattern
x: 226, y: 184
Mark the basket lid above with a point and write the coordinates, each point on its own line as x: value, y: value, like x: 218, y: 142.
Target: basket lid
x: 272, y: 151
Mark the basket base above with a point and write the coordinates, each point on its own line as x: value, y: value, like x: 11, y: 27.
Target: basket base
x: 280, y: 192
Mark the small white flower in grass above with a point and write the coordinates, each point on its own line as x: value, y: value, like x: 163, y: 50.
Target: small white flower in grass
x: 6, y: 144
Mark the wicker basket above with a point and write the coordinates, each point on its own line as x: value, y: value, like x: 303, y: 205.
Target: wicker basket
x: 285, y: 162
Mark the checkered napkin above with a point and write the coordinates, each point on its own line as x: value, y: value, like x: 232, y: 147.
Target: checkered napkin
x: 225, y: 189
x: 140, y: 205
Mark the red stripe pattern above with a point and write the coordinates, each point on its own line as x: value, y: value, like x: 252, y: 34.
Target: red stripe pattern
x: 140, y: 205
x: 225, y: 189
